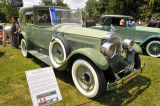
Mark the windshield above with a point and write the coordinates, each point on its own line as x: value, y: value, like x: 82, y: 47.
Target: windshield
x: 68, y: 16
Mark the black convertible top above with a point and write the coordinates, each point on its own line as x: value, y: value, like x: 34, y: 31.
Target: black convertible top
x: 118, y: 16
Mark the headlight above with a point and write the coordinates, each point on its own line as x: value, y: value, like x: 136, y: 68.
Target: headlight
x: 128, y: 44
x: 108, y: 49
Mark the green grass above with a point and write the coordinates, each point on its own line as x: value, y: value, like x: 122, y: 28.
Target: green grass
x: 14, y: 89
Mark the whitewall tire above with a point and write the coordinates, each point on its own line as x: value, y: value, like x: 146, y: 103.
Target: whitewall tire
x: 88, y: 79
x: 58, y: 51
x: 153, y: 48
x: 24, y: 48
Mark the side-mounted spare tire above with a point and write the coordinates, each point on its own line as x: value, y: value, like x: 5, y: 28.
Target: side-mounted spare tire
x: 59, y: 49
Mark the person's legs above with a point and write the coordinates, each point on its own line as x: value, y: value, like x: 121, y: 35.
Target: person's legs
x: 15, y: 41
x: 4, y: 37
x: 10, y: 37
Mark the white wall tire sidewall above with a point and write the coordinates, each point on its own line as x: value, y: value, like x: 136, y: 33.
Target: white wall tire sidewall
x: 147, y: 48
x: 56, y: 65
x: 95, y: 90
x: 23, y: 52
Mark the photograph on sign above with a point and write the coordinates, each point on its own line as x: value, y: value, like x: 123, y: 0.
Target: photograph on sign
x: 43, y: 86
x: 17, y: 3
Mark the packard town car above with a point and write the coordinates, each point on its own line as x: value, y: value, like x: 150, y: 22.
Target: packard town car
x: 146, y: 37
x: 98, y: 60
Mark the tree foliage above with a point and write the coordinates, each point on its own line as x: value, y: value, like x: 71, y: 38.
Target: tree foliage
x: 6, y: 11
x: 54, y: 2
x: 139, y: 9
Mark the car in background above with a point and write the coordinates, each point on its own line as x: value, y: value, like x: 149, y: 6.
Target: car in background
x: 146, y: 37
x: 1, y: 26
x: 98, y: 60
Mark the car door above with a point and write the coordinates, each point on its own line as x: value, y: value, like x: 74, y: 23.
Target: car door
x: 120, y: 29
x: 43, y: 29
x: 29, y: 26
x: 130, y: 32
x: 130, y: 29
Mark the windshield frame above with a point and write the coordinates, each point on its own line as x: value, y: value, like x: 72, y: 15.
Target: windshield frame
x: 67, y: 23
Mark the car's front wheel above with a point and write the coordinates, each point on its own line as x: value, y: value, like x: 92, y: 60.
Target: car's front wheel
x: 88, y: 79
x: 24, y: 48
x: 153, y: 48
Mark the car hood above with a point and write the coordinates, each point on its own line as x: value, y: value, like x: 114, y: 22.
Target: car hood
x: 78, y: 30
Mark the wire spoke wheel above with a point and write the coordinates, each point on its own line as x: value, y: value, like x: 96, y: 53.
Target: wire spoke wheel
x: 153, y: 48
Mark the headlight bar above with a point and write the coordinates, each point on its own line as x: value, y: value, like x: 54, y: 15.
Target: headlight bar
x: 128, y: 44
x: 108, y: 49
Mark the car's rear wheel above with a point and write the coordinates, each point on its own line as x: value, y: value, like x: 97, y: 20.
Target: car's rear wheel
x: 88, y: 79
x: 59, y: 49
x: 24, y: 48
x: 153, y: 48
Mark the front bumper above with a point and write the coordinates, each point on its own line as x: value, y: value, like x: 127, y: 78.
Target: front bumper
x: 124, y: 80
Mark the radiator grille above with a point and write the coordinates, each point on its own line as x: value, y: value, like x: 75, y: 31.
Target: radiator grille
x: 116, y: 39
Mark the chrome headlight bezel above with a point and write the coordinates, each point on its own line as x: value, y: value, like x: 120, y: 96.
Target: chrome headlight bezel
x: 108, y: 49
x: 128, y: 44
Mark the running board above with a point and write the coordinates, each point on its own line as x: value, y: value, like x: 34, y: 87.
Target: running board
x: 41, y: 57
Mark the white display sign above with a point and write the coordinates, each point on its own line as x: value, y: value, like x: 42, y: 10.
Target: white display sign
x: 43, y: 86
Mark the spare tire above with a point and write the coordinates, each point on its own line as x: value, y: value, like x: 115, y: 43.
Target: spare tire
x: 59, y: 49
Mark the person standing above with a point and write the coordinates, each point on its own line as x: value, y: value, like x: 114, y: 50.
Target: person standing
x: 14, y: 32
x: 7, y: 32
x: 152, y: 23
x: 18, y: 22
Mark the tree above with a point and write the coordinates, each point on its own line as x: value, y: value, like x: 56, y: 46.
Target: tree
x: 7, y: 11
x: 54, y: 2
x: 91, y: 9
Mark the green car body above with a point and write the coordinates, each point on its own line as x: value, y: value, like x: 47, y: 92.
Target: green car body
x: 146, y: 37
x: 67, y: 45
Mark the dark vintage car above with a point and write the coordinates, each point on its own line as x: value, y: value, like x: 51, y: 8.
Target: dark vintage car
x: 98, y: 60
x: 146, y: 37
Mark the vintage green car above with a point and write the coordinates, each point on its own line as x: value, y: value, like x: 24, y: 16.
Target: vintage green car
x: 98, y: 60
x: 146, y: 37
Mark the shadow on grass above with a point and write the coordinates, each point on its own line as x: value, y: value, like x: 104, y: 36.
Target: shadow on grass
x: 125, y: 95
x: 1, y: 54
x: 65, y: 76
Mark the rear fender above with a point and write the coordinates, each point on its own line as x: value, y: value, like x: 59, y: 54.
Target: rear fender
x: 149, y: 39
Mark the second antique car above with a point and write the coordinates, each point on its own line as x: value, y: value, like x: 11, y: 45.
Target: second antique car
x: 98, y: 60
x: 146, y: 37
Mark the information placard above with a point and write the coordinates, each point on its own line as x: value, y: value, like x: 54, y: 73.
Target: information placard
x: 43, y: 86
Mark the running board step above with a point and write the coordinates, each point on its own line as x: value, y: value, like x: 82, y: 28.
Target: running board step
x: 41, y: 57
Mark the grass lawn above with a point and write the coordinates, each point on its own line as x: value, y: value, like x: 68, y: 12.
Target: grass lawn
x: 14, y: 89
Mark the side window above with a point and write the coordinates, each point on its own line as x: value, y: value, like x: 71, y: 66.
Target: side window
x: 43, y: 17
x: 118, y: 21
x: 104, y: 21
x: 29, y: 17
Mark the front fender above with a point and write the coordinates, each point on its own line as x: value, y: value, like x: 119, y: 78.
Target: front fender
x: 149, y: 38
x: 137, y: 48
x: 95, y: 56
